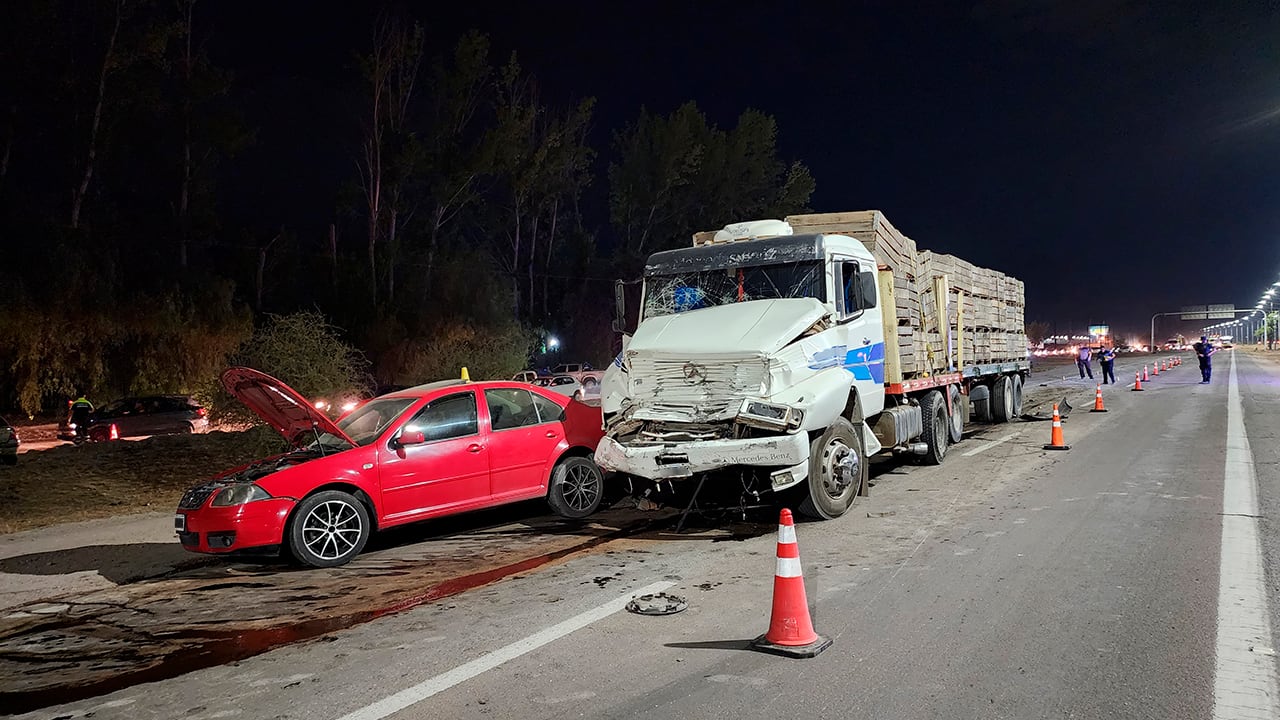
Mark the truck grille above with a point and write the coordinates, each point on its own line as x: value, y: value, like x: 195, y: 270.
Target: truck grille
x: 695, y: 389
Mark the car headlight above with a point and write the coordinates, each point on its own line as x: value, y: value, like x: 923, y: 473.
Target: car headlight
x: 240, y: 495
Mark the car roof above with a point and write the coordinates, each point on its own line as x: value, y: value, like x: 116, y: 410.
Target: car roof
x: 429, y: 388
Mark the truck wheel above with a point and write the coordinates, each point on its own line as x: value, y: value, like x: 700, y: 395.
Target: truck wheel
x: 1018, y: 381
x: 933, y: 410
x: 956, y: 426
x: 837, y: 470
x: 1002, y: 399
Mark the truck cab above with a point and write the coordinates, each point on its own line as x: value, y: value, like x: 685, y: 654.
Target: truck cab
x: 748, y: 345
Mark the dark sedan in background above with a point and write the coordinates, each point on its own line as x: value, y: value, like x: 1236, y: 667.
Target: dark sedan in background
x: 8, y: 443
x: 142, y: 416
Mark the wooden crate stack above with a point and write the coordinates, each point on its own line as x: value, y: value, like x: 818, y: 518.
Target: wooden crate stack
x: 891, y: 249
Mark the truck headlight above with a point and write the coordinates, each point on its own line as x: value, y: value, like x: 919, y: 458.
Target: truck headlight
x: 240, y: 495
x: 769, y: 415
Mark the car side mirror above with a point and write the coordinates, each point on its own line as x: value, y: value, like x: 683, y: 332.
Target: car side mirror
x: 411, y: 437
x: 619, y: 307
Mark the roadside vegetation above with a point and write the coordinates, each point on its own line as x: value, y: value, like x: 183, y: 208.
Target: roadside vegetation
x: 478, y: 215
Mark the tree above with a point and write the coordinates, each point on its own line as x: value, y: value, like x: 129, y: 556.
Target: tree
x: 387, y: 150
x: 673, y: 176
x: 110, y: 62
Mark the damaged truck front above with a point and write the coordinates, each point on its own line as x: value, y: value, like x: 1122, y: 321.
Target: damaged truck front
x: 763, y: 350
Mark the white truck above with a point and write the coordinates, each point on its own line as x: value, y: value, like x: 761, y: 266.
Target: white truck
x: 792, y: 350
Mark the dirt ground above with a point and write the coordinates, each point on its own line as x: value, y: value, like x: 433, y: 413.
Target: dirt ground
x: 69, y: 483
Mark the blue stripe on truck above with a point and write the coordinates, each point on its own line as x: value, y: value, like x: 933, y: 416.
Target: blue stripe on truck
x: 866, y: 363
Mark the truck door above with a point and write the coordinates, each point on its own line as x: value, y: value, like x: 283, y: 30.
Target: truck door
x: 859, y: 328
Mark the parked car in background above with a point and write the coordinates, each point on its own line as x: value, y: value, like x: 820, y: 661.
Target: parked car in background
x: 142, y: 416
x: 566, y: 385
x: 8, y: 443
x: 525, y: 376
x: 428, y: 451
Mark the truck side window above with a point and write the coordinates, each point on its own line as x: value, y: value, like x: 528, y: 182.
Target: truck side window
x: 849, y: 296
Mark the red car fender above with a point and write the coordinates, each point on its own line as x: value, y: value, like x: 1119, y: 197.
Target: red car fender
x: 583, y: 424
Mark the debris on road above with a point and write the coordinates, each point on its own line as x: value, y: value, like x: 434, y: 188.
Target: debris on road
x: 657, y: 604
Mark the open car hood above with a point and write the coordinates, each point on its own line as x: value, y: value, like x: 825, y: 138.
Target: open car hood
x: 280, y: 406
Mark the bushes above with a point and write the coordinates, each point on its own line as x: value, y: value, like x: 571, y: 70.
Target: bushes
x: 150, y: 344
x: 488, y: 353
x: 303, y: 350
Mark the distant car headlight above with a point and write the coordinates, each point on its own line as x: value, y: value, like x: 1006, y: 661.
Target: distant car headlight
x: 240, y: 495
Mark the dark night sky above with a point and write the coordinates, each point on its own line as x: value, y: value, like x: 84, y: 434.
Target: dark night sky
x: 1119, y: 157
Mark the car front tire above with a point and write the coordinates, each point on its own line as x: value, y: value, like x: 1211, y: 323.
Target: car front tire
x: 328, y: 529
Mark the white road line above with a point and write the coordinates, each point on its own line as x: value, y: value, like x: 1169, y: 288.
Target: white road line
x: 988, y: 445
x: 489, y: 661
x: 1244, y: 683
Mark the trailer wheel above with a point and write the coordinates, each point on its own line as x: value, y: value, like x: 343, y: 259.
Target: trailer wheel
x: 837, y: 471
x: 956, y: 426
x: 933, y: 410
x: 1002, y: 399
x: 1018, y: 381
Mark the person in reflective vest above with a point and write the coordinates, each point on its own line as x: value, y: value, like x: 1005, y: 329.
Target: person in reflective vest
x: 80, y: 410
x: 1204, y: 350
x: 1108, y: 361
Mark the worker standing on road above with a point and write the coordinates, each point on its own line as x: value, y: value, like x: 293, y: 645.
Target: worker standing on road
x: 1203, y: 352
x: 80, y: 409
x: 1083, y: 361
x: 1108, y: 361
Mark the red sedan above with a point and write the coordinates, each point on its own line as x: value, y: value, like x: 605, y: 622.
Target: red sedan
x: 427, y: 451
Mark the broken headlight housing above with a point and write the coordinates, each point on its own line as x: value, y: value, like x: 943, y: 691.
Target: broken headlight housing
x: 772, y: 416
x: 241, y: 494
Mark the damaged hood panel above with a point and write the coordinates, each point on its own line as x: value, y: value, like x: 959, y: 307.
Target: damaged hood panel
x: 759, y: 327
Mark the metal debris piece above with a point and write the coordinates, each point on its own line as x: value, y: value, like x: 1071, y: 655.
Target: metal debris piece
x: 657, y: 604
x: 887, y: 513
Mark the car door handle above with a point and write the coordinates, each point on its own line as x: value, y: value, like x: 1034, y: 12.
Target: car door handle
x: 474, y: 448
x: 552, y: 433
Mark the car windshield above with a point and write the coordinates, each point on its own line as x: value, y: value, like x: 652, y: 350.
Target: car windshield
x: 365, y: 423
x: 669, y: 294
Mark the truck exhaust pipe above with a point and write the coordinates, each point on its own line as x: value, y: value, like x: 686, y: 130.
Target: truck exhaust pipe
x: 914, y: 448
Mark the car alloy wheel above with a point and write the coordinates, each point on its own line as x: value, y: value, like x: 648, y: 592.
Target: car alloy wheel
x: 576, y: 487
x: 329, y: 528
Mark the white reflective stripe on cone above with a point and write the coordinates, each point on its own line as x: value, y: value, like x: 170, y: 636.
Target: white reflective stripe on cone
x: 788, y: 568
x: 786, y: 533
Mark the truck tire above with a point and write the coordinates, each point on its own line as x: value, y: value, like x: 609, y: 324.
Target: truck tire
x: 933, y: 411
x: 1002, y: 399
x: 956, y: 426
x: 1018, y: 382
x: 837, y: 472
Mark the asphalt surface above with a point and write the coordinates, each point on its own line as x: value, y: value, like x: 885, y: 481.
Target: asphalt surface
x: 1009, y: 582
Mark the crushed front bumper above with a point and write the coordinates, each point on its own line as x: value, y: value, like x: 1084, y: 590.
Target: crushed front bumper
x: 682, y: 460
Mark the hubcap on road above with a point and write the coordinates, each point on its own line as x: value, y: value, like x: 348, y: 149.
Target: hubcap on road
x: 331, y: 529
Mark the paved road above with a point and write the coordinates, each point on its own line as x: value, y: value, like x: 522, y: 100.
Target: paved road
x: 1125, y: 578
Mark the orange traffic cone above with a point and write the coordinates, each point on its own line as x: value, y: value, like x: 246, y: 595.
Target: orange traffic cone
x: 1155, y: 370
x: 1145, y: 376
x: 1137, y: 381
x: 1097, y: 401
x: 790, y: 629
x: 1055, y: 437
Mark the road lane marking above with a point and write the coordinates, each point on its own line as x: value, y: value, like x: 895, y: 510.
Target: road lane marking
x: 1244, y: 683
x: 988, y: 445
x: 432, y: 686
